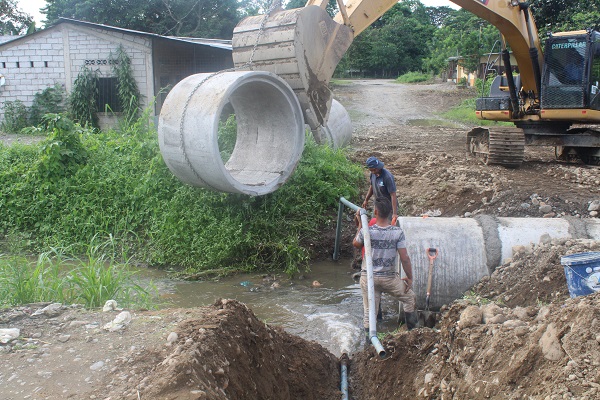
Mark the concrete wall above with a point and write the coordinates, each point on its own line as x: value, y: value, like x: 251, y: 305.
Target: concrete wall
x: 31, y: 65
x: 57, y: 55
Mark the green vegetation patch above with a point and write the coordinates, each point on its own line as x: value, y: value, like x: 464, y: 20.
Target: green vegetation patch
x: 413, y: 77
x: 80, y: 184
x: 58, y: 277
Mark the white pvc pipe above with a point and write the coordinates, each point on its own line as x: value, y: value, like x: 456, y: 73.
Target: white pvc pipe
x: 370, y: 285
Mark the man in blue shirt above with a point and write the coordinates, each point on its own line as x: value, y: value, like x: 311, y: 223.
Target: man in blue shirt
x: 382, y: 185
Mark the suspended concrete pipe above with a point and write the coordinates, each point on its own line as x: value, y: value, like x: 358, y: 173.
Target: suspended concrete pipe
x: 337, y: 132
x: 471, y: 248
x: 270, y: 131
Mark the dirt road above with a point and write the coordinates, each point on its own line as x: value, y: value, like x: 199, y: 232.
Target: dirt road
x: 402, y: 124
x: 518, y: 335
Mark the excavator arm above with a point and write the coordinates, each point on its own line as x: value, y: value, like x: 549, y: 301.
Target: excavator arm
x: 283, y: 64
x: 511, y: 17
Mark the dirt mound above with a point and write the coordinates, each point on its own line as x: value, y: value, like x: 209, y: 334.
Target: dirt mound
x: 526, y: 356
x: 225, y: 352
x: 534, y: 276
x: 516, y: 346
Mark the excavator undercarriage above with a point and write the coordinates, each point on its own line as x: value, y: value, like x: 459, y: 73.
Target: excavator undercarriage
x: 497, y: 146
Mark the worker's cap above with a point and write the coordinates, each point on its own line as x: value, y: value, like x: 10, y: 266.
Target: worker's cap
x: 373, y: 162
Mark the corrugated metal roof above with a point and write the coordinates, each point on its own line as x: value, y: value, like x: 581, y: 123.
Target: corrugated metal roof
x: 217, y: 43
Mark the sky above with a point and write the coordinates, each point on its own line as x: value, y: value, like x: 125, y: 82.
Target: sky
x: 32, y: 7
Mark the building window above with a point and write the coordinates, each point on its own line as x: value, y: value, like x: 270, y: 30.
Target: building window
x: 3, y: 64
x: 31, y: 64
x: 108, y: 99
x: 46, y: 64
x: 18, y: 64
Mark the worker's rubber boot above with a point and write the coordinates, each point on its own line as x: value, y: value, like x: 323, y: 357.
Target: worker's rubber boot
x: 412, y: 320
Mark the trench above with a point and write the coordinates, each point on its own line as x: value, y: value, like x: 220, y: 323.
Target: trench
x: 330, y: 314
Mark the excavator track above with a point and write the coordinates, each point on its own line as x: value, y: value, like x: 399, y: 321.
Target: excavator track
x: 497, y: 146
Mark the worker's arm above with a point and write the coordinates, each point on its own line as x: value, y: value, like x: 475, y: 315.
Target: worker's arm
x: 394, y: 208
x: 406, y: 266
x: 369, y: 194
x: 356, y: 243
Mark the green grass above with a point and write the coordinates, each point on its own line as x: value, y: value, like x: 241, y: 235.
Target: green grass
x: 56, y: 277
x: 79, y: 184
x: 413, y: 77
x: 465, y: 112
x: 340, y: 82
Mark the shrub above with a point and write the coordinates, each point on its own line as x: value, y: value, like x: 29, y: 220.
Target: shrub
x: 15, y: 117
x: 413, y: 77
x: 49, y: 101
x: 118, y: 183
x: 82, y: 101
x: 62, y: 152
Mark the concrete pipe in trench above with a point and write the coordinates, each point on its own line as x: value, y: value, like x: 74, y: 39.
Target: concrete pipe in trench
x: 471, y: 248
x: 270, y: 131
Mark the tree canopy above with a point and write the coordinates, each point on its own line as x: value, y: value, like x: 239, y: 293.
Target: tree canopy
x: 192, y: 18
x: 409, y: 37
x: 13, y: 21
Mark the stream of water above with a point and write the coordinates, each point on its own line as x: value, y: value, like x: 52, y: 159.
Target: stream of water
x: 330, y: 314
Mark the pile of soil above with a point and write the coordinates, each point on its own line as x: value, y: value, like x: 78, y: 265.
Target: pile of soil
x: 516, y: 334
x: 217, y: 352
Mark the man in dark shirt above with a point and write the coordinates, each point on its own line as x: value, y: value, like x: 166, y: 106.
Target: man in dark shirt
x: 382, y: 185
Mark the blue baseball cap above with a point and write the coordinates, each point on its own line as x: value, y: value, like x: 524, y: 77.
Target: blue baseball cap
x: 373, y: 162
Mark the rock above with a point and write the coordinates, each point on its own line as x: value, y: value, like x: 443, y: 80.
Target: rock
x: 594, y: 205
x: 518, y: 249
x: 497, y: 319
x: 513, y: 323
x: 97, y: 365
x: 172, y: 338
x: 9, y: 334
x: 110, y: 305
x: 525, y: 206
x: 593, y: 213
x: 429, y: 378
x: 549, y: 215
x: 470, y: 316
x: 51, y: 310
x: 546, y: 208
x: 550, y: 344
x: 120, y: 321
x: 316, y: 284
x: 491, y: 310
x: 64, y: 338
x: 468, y: 214
x: 545, y: 239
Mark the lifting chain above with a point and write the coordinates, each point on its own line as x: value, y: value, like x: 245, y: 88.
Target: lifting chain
x: 275, y: 4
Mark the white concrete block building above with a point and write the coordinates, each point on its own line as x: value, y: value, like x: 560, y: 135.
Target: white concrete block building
x: 31, y: 63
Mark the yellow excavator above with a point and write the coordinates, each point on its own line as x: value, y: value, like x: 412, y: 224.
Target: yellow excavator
x: 550, y: 102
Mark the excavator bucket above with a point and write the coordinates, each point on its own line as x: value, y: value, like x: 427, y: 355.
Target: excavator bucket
x: 302, y: 46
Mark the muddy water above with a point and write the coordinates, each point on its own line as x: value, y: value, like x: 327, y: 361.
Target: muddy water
x: 330, y: 314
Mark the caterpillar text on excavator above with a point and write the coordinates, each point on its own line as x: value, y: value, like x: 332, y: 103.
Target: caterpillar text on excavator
x: 285, y: 59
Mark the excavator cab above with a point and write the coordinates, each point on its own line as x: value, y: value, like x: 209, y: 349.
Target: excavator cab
x: 571, y: 71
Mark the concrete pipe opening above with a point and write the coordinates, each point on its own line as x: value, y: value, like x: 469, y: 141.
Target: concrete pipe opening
x: 268, y: 141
